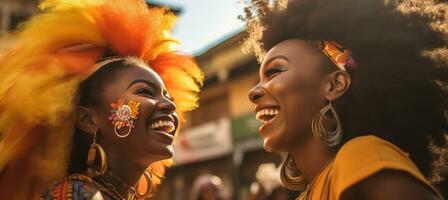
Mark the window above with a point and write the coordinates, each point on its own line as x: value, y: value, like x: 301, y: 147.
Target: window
x: 210, y: 109
x: 16, y: 19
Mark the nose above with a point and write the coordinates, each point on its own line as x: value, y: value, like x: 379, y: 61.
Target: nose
x: 167, y: 105
x: 256, y: 93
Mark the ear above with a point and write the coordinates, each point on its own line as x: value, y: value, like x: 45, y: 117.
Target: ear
x: 85, y: 120
x: 338, y: 83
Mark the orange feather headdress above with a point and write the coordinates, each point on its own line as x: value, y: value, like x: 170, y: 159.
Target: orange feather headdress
x: 46, y: 61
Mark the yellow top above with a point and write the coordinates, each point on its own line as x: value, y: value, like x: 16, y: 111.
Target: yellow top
x: 358, y: 159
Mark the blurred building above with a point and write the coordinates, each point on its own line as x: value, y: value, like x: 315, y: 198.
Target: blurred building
x: 12, y: 12
x: 221, y: 136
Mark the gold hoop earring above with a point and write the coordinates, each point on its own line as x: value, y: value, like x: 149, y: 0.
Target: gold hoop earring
x: 93, y: 171
x: 290, y: 176
x: 323, y: 123
x: 150, y: 189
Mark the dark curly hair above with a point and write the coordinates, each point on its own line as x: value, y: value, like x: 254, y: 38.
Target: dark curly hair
x: 399, y: 89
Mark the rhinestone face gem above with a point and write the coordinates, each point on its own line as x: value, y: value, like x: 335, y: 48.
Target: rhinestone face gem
x: 124, y: 113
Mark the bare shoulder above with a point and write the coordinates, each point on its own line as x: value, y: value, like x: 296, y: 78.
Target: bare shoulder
x: 389, y: 184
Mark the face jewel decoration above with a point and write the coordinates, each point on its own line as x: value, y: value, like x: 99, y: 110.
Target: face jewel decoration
x: 123, y: 115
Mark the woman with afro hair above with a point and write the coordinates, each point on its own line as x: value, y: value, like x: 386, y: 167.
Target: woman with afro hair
x: 355, y: 92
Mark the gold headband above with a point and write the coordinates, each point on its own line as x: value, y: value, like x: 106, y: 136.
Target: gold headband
x: 338, y: 54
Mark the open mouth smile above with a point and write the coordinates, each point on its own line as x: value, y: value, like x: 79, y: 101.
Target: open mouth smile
x: 165, y: 124
x: 162, y: 125
x: 267, y: 115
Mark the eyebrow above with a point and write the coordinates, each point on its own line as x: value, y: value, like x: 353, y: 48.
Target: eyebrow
x: 142, y: 81
x: 276, y: 57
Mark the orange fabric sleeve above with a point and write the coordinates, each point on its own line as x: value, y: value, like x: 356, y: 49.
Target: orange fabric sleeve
x: 364, y: 156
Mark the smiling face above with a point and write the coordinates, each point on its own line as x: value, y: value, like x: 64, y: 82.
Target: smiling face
x: 292, y: 86
x: 151, y: 138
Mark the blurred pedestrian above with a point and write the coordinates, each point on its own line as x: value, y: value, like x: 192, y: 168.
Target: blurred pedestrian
x: 207, y: 187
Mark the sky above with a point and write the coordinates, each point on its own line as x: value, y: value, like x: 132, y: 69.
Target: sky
x: 203, y: 23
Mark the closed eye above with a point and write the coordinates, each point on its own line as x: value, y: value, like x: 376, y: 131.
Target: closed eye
x: 271, y: 72
x: 149, y: 92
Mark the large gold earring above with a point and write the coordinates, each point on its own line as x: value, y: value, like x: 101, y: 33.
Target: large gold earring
x: 327, y: 126
x: 149, y: 190
x: 290, y: 176
x: 93, y: 170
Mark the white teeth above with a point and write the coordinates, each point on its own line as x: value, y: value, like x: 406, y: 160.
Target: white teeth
x: 266, y: 112
x: 161, y: 123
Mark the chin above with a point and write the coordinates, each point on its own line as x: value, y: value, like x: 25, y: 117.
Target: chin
x: 162, y: 153
x: 267, y: 147
x: 270, y: 145
x: 275, y: 140
x: 170, y: 151
x: 166, y: 153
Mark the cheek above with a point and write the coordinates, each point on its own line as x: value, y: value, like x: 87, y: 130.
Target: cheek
x: 104, y: 123
x: 146, y: 110
x: 140, y: 140
x: 296, y: 97
x: 299, y: 111
x: 299, y: 101
x: 140, y: 132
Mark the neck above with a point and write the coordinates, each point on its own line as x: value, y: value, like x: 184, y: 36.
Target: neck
x: 123, y: 172
x: 311, y: 157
